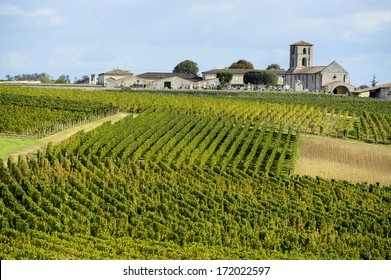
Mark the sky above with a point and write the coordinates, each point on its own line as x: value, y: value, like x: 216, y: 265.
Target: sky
x: 83, y: 37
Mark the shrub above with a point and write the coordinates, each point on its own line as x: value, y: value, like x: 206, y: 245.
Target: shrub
x: 260, y: 77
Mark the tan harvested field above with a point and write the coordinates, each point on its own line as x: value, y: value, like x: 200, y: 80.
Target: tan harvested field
x: 62, y: 135
x: 340, y: 159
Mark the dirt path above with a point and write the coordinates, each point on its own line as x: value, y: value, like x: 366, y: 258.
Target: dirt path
x: 62, y: 135
x: 340, y: 159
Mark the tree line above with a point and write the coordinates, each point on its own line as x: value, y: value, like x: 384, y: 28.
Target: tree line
x: 47, y: 79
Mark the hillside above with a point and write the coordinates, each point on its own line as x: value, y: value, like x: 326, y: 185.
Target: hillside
x: 195, y: 177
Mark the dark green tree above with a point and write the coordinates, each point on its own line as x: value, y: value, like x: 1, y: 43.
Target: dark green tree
x: 63, y: 79
x: 186, y: 66
x: 260, y: 77
x: 273, y: 66
x: 374, y: 82
x: 242, y: 64
x: 224, y: 77
x: 84, y: 80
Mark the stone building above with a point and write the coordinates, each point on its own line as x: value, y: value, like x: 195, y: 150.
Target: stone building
x: 161, y: 80
x: 380, y: 91
x: 112, y: 76
x: 302, y: 75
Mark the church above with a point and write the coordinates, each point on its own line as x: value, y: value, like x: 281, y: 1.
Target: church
x: 302, y: 75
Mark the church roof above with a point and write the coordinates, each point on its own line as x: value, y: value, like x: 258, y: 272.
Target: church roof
x: 233, y: 71
x: 244, y: 71
x: 301, y: 43
x: 306, y: 70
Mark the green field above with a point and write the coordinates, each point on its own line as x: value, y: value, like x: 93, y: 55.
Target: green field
x: 196, y: 176
x: 9, y: 144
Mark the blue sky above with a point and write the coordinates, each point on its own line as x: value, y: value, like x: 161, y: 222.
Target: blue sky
x: 82, y: 37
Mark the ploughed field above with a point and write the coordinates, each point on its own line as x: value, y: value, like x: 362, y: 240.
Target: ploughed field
x: 345, y: 160
x: 194, y: 176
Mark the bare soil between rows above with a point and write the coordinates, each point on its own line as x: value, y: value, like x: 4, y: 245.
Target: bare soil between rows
x: 345, y: 160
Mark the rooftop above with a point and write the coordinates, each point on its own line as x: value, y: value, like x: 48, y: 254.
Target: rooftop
x: 301, y: 43
x: 118, y: 72
x: 244, y: 71
x: 306, y: 70
x: 388, y: 85
x: 165, y: 75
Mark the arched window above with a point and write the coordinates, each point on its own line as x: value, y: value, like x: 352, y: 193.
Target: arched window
x: 304, y: 62
x: 304, y: 51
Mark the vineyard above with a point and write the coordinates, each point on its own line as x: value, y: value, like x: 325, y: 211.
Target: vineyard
x: 37, y: 116
x: 191, y: 177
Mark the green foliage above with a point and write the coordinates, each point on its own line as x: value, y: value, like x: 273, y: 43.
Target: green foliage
x: 63, y: 79
x: 224, y: 77
x: 373, y: 81
x: 273, y: 66
x: 186, y: 66
x: 242, y: 64
x: 193, y: 177
x: 44, y: 115
x: 43, y: 77
x: 260, y: 77
x: 83, y: 80
x: 8, y: 144
x: 127, y: 208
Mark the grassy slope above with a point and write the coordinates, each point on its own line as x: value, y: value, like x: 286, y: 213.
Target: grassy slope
x: 8, y: 145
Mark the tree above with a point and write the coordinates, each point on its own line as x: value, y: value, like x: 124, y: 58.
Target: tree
x: 84, y: 80
x: 260, y: 77
x: 224, y: 77
x: 45, y: 78
x: 242, y: 64
x: 186, y: 66
x: 273, y: 66
x: 374, y: 82
x: 63, y: 79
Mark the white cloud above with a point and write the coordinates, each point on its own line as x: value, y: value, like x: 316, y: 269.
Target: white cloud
x: 46, y: 14
x: 16, y: 61
x: 372, y: 20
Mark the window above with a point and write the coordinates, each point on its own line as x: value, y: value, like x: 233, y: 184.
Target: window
x: 304, y: 51
x: 304, y: 62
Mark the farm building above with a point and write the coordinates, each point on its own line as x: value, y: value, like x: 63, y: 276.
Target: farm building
x: 160, y: 80
x: 112, y: 76
x: 155, y: 80
x: 302, y: 75
x: 381, y: 91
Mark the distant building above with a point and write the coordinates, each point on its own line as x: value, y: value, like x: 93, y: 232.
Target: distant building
x: 160, y: 80
x: 302, y: 75
x: 154, y: 80
x: 238, y: 75
x: 154, y: 76
x: 380, y: 91
x: 110, y: 76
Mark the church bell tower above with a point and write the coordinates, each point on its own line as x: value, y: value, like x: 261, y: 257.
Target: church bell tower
x: 301, y: 55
